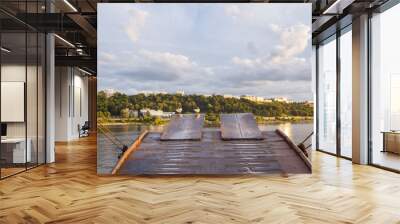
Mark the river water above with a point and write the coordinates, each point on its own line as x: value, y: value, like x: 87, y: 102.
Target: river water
x: 107, y: 153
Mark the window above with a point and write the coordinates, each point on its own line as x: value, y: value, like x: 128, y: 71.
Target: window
x: 22, y: 88
x: 346, y: 93
x: 327, y: 95
x: 385, y: 89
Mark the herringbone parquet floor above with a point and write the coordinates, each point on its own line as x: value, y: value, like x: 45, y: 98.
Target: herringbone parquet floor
x: 69, y: 191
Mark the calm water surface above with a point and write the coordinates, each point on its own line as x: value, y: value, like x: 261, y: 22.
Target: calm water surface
x: 107, y: 154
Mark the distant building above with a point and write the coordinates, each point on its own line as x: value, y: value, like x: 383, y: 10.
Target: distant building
x: 260, y: 99
x: 309, y: 103
x: 282, y: 99
x: 251, y: 98
x: 149, y: 93
x: 180, y: 92
x: 257, y: 99
x: 168, y: 114
x: 133, y: 113
x: 227, y: 96
x: 109, y: 92
x: 146, y: 93
x: 156, y: 113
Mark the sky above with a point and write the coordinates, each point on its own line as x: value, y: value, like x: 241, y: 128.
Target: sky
x: 255, y: 49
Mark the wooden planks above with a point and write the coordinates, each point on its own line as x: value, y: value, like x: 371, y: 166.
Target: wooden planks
x: 128, y: 152
x: 213, y: 156
x: 306, y: 160
x: 239, y: 126
x: 184, y: 127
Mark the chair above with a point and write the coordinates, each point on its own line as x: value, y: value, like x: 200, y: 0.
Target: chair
x: 84, y: 130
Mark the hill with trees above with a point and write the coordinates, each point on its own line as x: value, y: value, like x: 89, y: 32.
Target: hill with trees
x: 117, y: 105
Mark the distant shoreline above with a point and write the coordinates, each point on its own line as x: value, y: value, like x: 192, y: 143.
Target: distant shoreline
x: 260, y: 120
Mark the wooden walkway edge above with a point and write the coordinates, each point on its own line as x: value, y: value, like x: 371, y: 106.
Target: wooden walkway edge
x: 129, y: 151
x: 295, y: 148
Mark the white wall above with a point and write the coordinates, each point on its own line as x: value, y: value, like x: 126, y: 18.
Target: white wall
x: 80, y: 105
x: 12, y: 73
x: 33, y: 126
x: 71, y: 102
x: 62, y: 82
x: 17, y: 73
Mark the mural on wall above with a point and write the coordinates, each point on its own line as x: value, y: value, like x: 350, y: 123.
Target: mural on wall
x: 204, y: 89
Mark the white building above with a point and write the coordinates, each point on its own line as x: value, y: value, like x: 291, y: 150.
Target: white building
x: 133, y: 113
x: 149, y: 93
x: 309, y: 103
x: 109, y: 92
x: 282, y: 99
x: 257, y: 99
x: 156, y: 113
x: 226, y: 96
x: 180, y: 92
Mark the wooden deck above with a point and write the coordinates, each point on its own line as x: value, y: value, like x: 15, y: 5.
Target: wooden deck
x: 239, y: 126
x: 214, y: 156
x: 184, y: 127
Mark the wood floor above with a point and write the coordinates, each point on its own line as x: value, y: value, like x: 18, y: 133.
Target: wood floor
x: 69, y: 191
x: 387, y: 159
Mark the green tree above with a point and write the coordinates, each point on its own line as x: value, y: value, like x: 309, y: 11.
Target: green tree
x: 125, y: 113
x: 101, y: 101
x: 214, y: 104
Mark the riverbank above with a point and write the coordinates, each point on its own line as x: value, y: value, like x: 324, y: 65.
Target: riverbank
x: 262, y: 120
x: 161, y: 121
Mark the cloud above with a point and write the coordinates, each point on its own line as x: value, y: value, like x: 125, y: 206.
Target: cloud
x: 275, y: 28
x: 154, y: 66
x: 294, y: 69
x: 177, y: 63
x: 251, y: 47
x: 234, y: 11
x: 105, y: 57
x: 224, y: 49
x: 145, y: 74
x: 284, y: 63
x: 293, y: 40
x: 136, y: 21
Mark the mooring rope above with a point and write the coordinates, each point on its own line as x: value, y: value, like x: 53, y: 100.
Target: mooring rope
x: 111, y: 137
x: 308, y: 137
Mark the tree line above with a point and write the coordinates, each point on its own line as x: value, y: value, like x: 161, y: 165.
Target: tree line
x: 117, y: 104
